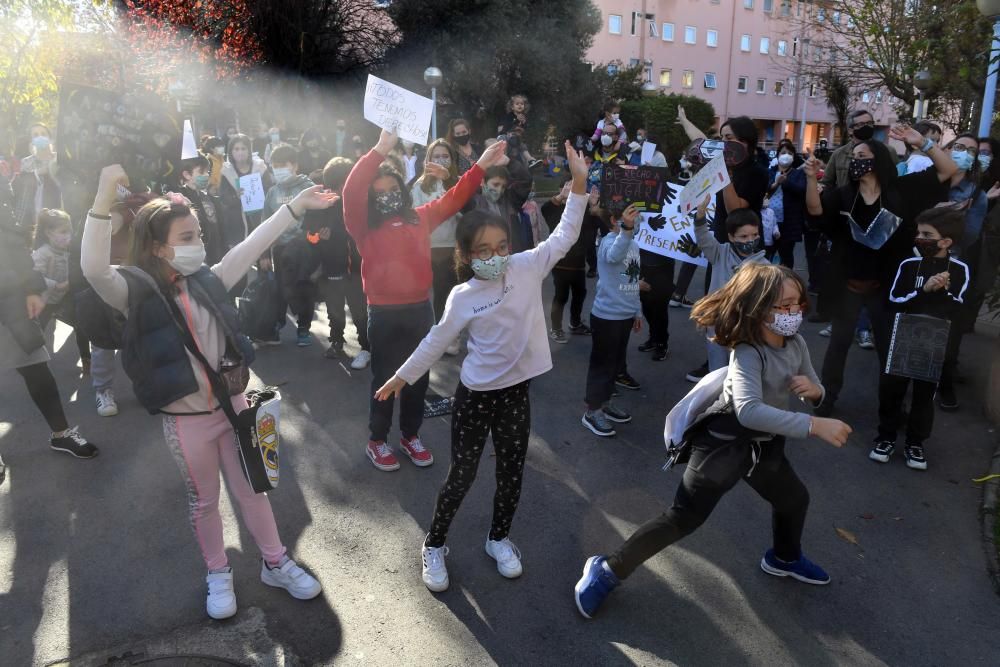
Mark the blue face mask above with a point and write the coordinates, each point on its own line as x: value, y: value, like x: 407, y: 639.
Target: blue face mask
x: 985, y: 161
x: 962, y: 159
x: 201, y: 182
x: 40, y: 142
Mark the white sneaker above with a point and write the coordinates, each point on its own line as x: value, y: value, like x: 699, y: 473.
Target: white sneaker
x: 453, y: 349
x: 507, y: 556
x: 362, y: 360
x: 434, y: 574
x: 288, y: 575
x: 221, y: 601
x: 106, y: 406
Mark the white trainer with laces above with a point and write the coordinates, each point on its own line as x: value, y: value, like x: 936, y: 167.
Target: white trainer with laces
x: 434, y: 572
x: 221, y: 601
x: 106, y: 406
x: 288, y: 575
x: 362, y: 360
x: 507, y: 556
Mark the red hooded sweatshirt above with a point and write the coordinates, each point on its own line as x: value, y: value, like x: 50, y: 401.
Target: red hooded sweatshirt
x: 396, y: 255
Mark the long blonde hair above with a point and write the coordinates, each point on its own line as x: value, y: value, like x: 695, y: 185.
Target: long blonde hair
x: 738, y: 309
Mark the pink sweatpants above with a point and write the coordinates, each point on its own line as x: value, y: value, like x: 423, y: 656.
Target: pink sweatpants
x: 202, y: 444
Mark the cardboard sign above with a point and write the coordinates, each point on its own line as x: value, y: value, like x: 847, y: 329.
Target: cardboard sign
x: 394, y: 108
x: 646, y: 187
x: 660, y: 233
x: 251, y: 192
x: 918, y: 347
x: 101, y: 127
x: 710, y: 179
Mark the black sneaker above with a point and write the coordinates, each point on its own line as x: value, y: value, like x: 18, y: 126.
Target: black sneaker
x: 580, y: 329
x: 661, y: 353
x: 74, y: 443
x: 648, y: 346
x: 697, y: 374
x: 592, y: 273
x: 882, y: 451
x: 947, y: 400
x: 626, y: 381
x: 914, y: 455
x: 3, y: 471
x: 677, y: 301
x: 616, y: 414
x: 335, y: 351
x: 598, y: 422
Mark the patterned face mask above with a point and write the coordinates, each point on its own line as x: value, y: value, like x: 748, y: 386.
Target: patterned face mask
x: 389, y: 203
x: 785, y: 324
x: 490, y: 269
x: 443, y: 161
x: 747, y: 248
x: 859, y: 167
x: 492, y: 194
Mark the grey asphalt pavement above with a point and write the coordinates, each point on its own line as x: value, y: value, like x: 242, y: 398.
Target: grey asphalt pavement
x: 97, y: 558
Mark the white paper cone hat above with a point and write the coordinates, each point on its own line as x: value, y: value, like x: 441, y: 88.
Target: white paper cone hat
x: 188, y: 149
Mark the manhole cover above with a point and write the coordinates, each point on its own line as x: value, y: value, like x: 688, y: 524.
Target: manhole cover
x: 130, y: 659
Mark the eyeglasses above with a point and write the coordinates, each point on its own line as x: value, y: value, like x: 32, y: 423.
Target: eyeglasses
x: 973, y: 150
x: 869, y: 123
x: 791, y: 309
x: 486, y: 253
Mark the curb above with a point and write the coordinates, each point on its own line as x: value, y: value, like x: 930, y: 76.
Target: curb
x: 989, y: 516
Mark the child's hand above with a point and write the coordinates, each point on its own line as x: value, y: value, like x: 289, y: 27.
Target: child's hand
x: 681, y: 115
x: 776, y: 233
x: 703, y: 208
x: 938, y: 281
x: 811, y: 168
x: 107, y: 188
x: 63, y: 285
x: 35, y: 304
x: 637, y: 324
x: 390, y: 389
x: 312, y: 199
x: 386, y: 141
x: 833, y: 431
x: 644, y: 286
x: 803, y: 387
x: 437, y: 171
x: 993, y: 192
x: 577, y: 167
x: 629, y: 216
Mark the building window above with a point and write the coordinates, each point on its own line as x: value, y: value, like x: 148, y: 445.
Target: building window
x: 612, y: 69
x: 782, y: 47
x: 821, y: 14
x: 668, y: 32
x: 633, y: 62
x: 615, y: 24
x: 690, y: 34
x: 637, y: 20
x: 836, y: 18
x: 761, y: 86
x: 687, y: 81
x: 665, y: 75
x: 866, y: 97
x: 648, y: 71
x: 741, y: 84
x: 653, y: 31
x: 710, y: 81
x: 768, y: 6
x: 791, y: 85
x: 812, y: 90
x: 712, y: 38
x: 779, y: 88
x: 878, y: 97
x: 765, y: 45
x: 850, y: 21
x: 745, y: 43
x: 747, y: 4
x: 786, y: 7
x: 795, y: 47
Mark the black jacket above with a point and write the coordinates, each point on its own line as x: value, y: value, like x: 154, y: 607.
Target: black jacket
x: 576, y: 258
x: 153, y: 351
x: 907, y: 294
x: 338, y: 254
x: 18, y: 277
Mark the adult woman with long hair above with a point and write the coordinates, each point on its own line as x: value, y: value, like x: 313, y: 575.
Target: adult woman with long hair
x: 459, y: 137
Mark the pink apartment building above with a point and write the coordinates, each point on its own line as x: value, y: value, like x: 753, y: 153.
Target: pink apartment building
x: 740, y: 55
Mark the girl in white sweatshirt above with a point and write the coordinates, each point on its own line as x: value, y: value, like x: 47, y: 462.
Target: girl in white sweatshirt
x: 501, y: 306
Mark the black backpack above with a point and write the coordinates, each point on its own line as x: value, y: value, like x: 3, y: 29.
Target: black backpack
x: 258, y: 307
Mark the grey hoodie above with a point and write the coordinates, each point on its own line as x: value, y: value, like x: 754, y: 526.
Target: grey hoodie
x: 723, y: 258
x: 281, y: 194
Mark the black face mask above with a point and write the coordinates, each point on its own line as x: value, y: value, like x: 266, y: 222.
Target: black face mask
x: 747, y: 248
x: 864, y: 133
x: 462, y: 139
x: 859, y: 167
x: 927, y: 247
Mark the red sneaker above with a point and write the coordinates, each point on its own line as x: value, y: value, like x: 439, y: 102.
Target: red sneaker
x: 415, y: 449
x: 381, y: 456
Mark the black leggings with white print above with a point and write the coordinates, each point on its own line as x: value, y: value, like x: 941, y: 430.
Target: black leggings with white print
x: 507, y: 414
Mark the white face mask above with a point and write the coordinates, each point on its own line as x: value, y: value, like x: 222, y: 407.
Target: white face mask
x: 187, y: 258
x: 606, y: 140
x: 282, y: 174
x: 785, y: 324
x: 615, y: 116
x: 785, y: 159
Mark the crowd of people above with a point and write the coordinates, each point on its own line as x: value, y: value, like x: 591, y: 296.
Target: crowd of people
x: 444, y: 249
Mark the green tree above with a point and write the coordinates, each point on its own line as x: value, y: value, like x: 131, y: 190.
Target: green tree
x: 839, y: 96
x: 658, y: 115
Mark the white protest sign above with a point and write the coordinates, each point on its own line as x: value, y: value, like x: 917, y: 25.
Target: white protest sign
x: 251, y: 192
x: 661, y: 234
x: 710, y: 179
x: 394, y: 108
x: 648, y: 150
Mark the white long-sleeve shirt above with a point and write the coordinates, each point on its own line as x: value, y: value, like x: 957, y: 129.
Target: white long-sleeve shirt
x: 508, y: 343
x: 95, y: 261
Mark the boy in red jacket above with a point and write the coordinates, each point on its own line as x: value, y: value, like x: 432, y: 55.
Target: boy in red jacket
x: 394, y: 241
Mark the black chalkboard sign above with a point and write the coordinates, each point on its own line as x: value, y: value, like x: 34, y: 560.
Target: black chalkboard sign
x: 918, y: 346
x: 140, y: 131
x: 438, y: 406
x: 646, y: 187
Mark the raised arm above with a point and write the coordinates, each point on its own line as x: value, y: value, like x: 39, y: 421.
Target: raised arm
x: 95, y: 249
x: 943, y: 163
x: 690, y: 129
x: 359, y: 180
x: 707, y: 243
x: 814, y: 204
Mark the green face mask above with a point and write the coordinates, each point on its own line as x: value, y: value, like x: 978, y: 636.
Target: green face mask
x: 201, y: 182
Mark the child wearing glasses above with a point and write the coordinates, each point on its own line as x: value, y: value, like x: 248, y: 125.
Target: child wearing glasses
x: 500, y: 304
x: 742, y: 435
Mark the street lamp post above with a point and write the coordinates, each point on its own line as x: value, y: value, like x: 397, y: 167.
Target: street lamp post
x: 990, y: 8
x: 433, y: 78
x: 921, y: 81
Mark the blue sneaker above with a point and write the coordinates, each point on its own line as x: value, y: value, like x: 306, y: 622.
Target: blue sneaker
x: 303, y: 339
x: 803, y: 569
x: 597, y: 581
